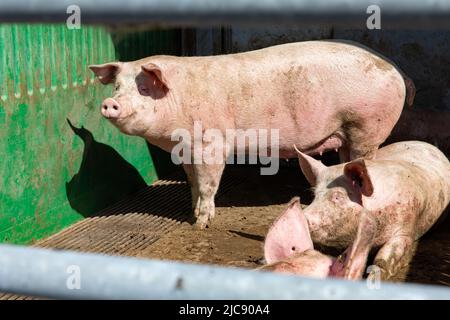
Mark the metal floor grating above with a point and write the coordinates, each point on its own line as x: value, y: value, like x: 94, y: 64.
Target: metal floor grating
x: 133, y: 223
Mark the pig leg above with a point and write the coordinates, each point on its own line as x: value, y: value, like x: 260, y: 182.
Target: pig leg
x: 365, y: 149
x: 392, y: 257
x: 207, y: 177
x: 189, y: 169
x: 363, y: 141
x: 355, y: 257
x: 368, y: 153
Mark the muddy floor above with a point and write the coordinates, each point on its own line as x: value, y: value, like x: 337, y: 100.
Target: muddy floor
x: 155, y: 224
x: 246, y: 211
x: 243, y: 216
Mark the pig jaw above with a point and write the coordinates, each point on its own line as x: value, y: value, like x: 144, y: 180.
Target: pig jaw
x: 330, y: 224
x: 309, y: 263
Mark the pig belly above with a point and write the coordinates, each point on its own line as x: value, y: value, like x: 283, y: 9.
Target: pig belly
x: 311, y: 134
x: 286, y: 148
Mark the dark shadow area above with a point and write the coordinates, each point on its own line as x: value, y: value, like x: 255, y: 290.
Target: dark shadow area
x: 104, y: 177
x: 134, y: 43
x: 262, y: 190
x: 163, y: 163
x: 431, y: 262
x: 248, y: 235
x: 424, y: 125
x: 253, y: 189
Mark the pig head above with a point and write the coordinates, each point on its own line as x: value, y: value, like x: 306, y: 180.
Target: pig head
x: 288, y: 248
x: 140, y: 103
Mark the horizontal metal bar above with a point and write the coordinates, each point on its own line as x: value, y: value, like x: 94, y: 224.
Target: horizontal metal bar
x: 50, y: 273
x: 405, y: 13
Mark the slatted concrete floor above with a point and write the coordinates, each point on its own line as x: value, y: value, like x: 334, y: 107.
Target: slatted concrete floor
x: 247, y: 204
x: 132, y: 224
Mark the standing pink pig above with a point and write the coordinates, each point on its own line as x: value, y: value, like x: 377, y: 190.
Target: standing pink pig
x: 320, y: 95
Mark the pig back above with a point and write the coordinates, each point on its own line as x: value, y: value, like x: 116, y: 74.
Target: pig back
x: 307, y: 90
x: 428, y: 177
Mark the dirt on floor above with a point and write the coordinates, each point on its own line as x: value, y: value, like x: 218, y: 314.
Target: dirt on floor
x: 245, y: 213
x: 243, y: 216
x: 153, y: 224
x: 235, y: 239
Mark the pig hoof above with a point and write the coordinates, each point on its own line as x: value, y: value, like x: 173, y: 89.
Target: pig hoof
x: 200, y: 226
x: 201, y: 223
x: 378, y: 274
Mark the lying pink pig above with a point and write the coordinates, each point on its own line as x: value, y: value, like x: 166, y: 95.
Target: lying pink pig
x: 385, y: 204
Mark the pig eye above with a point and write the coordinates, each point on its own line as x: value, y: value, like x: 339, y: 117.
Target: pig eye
x: 337, y: 196
x: 143, y: 90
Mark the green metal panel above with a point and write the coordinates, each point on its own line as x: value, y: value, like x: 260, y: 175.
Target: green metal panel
x: 59, y: 161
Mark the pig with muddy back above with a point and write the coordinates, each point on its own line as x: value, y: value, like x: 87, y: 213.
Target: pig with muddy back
x: 319, y: 95
x: 385, y: 204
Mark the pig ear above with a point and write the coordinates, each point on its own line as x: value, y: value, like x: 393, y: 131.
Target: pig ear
x: 357, y: 172
x: 288, y: 235
x: 153, y: 69
x: 107, y: 72
x: 311, y: 167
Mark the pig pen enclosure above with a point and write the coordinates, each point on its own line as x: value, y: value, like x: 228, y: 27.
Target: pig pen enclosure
x: 70, y: 180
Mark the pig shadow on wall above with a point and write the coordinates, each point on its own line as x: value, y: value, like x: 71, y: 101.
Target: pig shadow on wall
x: 104, y: 177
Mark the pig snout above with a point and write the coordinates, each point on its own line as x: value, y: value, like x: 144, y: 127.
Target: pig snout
x: 111, y: 109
